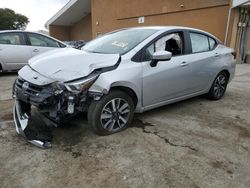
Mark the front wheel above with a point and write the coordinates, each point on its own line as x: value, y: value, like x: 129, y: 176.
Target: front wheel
x: 219, y: 87
x: 112, y: 114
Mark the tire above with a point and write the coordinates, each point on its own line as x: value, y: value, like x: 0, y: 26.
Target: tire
x: 112, y: 114
x: 219, y: 87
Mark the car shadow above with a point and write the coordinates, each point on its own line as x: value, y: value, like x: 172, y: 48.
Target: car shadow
x: 74, y: 130
x: 8, y: 73
x: 176, y: 105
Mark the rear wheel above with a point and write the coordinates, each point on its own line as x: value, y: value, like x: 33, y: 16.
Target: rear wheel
x: 112, y: 114
x: 219, y: 87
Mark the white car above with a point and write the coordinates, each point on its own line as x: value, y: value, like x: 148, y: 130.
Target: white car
x: 17, y: 47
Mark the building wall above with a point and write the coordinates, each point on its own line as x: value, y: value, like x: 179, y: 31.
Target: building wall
x: 233, y: 30
x: 211, y: 15
x: 82, y: 30
x: 238, y: 19
x: 60, y: 32
x: 108, y: 15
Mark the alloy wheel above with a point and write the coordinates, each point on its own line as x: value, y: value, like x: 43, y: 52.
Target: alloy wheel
x: 220, y: 85
x: 115, y: 114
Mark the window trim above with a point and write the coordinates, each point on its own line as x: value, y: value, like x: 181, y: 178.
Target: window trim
x: 216, y: 43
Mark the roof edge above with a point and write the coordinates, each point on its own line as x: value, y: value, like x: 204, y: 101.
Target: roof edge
x: 237, y: 3
x: 60, y: 13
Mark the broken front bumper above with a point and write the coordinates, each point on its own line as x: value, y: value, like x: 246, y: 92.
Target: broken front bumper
x: 27, y: 124
x: 48, y: 104
x: 25, y: 127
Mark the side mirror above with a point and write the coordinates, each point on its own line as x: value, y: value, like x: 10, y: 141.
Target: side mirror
x: 160, y: 56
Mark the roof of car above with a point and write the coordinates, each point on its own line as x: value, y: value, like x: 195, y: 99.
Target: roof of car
x: 167, y: 28
x: 159, y: 28
x: 22, y: 31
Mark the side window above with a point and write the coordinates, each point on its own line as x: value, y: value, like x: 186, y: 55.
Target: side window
x: 40, y: 40
x: 200, y: 43
x: 12, y: 39
x: 212, y: 43
x: 172, y: 43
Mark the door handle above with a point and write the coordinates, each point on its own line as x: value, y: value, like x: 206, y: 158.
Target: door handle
x: 184, y: 64
x: 35, y: 50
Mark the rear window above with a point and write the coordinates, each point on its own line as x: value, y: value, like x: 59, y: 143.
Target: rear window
x: 202, y: 43
x: 212, y: 43
x: 199, y: 43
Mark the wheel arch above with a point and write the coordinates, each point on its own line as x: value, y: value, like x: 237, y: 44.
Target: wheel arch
x: 128, y: 91
x: 104, y: 87
x: 226, y: 72
x: 2, y: 65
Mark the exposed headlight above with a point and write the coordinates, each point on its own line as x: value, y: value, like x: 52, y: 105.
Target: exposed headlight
x: 58, y: 87
x: 81, y: 85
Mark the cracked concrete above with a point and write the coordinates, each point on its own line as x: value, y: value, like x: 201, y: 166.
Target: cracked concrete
x: 194, y: 143
x: 138, y: 123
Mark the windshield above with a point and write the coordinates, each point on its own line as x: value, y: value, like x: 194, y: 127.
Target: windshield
x: 119, y: 42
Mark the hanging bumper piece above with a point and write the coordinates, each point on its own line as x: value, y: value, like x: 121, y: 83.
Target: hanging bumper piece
x: 36, y: 132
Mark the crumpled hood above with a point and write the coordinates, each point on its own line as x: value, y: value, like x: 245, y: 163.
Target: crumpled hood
x: 69, y: 64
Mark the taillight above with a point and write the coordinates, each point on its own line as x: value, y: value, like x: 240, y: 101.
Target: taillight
x: 234, y: 54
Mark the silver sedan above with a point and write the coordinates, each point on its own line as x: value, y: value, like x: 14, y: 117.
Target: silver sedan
x: 123, y: 72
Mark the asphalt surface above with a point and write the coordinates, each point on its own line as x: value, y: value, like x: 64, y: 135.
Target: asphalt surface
x: 194, y: 143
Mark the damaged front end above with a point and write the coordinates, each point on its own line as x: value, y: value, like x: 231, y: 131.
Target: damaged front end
x: 55, y: 85
x: 55, y: 101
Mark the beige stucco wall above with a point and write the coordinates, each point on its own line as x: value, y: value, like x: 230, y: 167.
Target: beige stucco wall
x: 233, y: 30
x: 211, y: 15
x: 82, y: 30
x: 108, y: 15
x: 60, y: 32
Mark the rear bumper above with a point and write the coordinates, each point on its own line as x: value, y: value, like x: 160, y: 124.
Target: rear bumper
x: 232, y: 71
x: 22, y: 124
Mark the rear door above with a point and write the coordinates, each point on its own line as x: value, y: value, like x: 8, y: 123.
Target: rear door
x: 40, y: 43
x: 205, y: 61
x: 14, y: 52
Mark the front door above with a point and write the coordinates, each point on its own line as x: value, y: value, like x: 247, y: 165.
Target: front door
x: 169, y: 79
x: 40, y: 44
